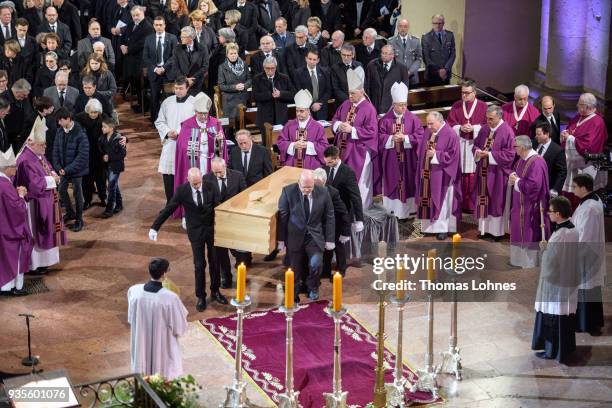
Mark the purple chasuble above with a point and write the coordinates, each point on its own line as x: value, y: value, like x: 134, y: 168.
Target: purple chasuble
x: 365, y: 124
x: 15, y: 234
x: 315, y: 133
x: 525, y: 215
x: 503, y: 153
x: 524, y: 125
x: 44, y: 204
x: 444, y: 174
x: 184, y: 150
x: 391, y: 167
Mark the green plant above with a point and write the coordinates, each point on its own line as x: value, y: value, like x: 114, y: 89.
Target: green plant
x: 182, y: 392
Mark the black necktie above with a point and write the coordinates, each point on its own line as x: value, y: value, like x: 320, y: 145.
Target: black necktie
x: 7, y: 32
x: 223, y: 188
x: 404, y: 40
x: 540, y: 149
x: 440, y: 37
x: 61, y: 98
x: 331, y: 174
x: 199, y: 198
x: 306, y: 207
x: 158, y: 51
x: 245, y: 163
x: 53, y: 28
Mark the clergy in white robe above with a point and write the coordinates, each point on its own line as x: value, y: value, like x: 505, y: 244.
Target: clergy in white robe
x: 157, y: 318
x: 556, y: 298
x: 173, y: 111
x: 589, y: 221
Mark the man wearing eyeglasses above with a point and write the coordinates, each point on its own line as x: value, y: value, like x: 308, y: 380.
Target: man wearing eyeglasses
x: 466, y: 117
x: 438, y: 52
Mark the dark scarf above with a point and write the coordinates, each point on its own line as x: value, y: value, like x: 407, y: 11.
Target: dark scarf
x: 566, y: 224
x: 153, y: 286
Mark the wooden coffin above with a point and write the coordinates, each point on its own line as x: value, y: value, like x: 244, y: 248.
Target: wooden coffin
x: 247, y: 221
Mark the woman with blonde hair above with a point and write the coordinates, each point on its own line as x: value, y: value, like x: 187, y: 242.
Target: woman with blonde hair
x: 245, y: 41
x: 205, y: 37
x: 177, y: 16
x: 234, y: 80
x: 12, y: 62
x: 96, y: 67
x: 213, y: 15
x: 315, y: 36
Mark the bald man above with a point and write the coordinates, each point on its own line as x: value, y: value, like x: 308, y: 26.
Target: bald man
x: 407, y: 50
x: 306, y: 228
x: 551, y: 116
x: 198, y: 205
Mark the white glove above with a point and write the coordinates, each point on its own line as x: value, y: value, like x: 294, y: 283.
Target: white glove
x: 280, y: 246
x: 152, y: 235
x: 329, y: 246
x: 184, y: 223
x: 358, y: 226
x: 344, y: 239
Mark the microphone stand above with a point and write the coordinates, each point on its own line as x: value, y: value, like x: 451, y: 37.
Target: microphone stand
x: 30, y: 361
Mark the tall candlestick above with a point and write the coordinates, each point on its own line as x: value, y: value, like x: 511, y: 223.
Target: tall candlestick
x: 337, y: 298
x: 289, y: 295
x: 400, y: 275
x: 241, y: 283
x: 431, y: 273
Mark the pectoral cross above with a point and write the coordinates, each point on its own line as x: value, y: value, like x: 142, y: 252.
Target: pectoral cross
x: 193, y: 147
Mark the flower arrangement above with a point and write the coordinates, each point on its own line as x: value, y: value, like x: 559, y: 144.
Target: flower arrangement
x: 182, y: 392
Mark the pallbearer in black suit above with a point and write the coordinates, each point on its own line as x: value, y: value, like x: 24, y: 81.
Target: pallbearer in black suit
x: 157, y: 55
x: 251, y: 159
x: 551, y: 116
x: 225, y: 183
x: 198, y: 204
x: 343, y: 178
x: 554, y: 156
x: 306, y: 227
x: 343, y: 226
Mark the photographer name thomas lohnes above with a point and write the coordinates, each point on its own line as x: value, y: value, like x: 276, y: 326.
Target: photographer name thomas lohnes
x: 424, y: 284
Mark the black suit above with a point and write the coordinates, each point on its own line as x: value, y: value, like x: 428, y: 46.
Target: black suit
x: 331, y: 21
x: 63, y: 31
x: 234, y: 181
x: 350, y: 17
x: 149, y: 59
x: 13, y: 33
x: 29, y: 53
x: 82, y: 99
x: 346, y: 183
x: 339, y: 81
x: 554, y: 126
x: 191, y: 4
x: 270, y: 109
x: 343, y: 227
x: 69, y: 15
x: 303, y: 81
x: 5, y: 142
x: 17, y: 120
x: 258, y: 59
x: 259, y: 163
x: 194, y: 66
x: 378, y: 83
x: 200, y: 231
x: 305, y: 237
x: 362, y: 55
x: 557, y: 169
x: 330, y: 56
x: 265, y: 21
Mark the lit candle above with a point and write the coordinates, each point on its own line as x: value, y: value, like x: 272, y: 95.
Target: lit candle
x: 431, y: 273
x: 337, y: 298
x: 241, y: 283
x: 289, y: 276
x: 456, y: 242
x: 399, y: 280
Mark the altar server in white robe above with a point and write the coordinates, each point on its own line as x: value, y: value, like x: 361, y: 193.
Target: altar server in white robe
x: 157, y: 318
x: 173, y: 111
x: 589, y: 221
x: 556, y: 298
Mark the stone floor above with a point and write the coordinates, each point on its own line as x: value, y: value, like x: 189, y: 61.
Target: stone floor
x: 81, y: 323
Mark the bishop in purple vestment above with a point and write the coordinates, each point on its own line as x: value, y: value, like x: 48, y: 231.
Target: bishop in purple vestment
x: 494, y: 154
x: 399, y: 135
x: 36, y: 174
x: 520, y: 114
x: 302, y: 140
x: 201, y: 136
x: 530, y: 195
x: 439, y: 178
x: 355, y: 127
x: 466, y: 117
x: 15, y: 234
